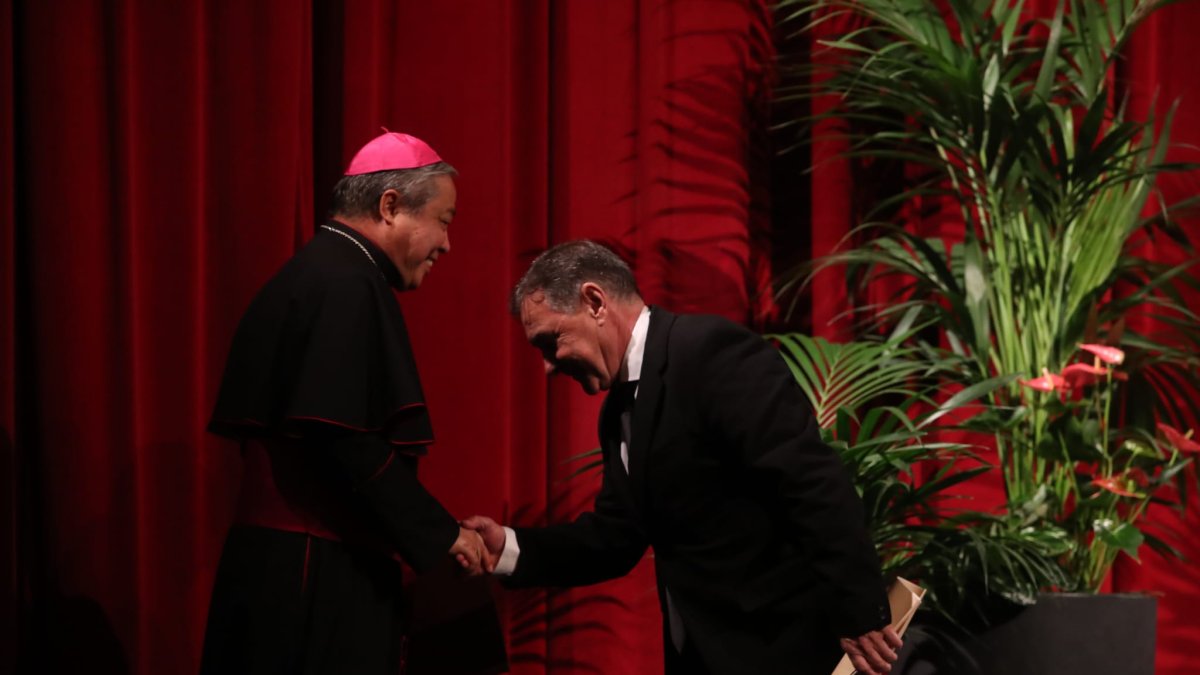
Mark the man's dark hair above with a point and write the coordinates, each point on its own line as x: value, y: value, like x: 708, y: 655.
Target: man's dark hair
x: 359, y: 195
x: 562, y: 269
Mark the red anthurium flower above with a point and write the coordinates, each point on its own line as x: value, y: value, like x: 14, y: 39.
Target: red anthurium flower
x: 1082, y: 374
x: 1115, y: 486
x: 1047, y: 382
x: 1181, y: 442
x: 1110, y: 355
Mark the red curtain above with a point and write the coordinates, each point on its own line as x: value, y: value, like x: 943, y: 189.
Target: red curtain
x: 162, y: 174
x: 159, y: 161
x: 8, y: 361
x: 1156, y: 75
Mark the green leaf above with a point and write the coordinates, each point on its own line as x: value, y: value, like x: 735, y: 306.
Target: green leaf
x: 1048, y: 448
x: 977, y: 390
x: 842, y: 427
x: 1054, y: 540
x: 995, y: 419
x: 975, y: 279
x: 1089, y: 433
x: 1050, y: 56
x: 594, y: 452
x: 1162, y: 548
x: 1139, y: 448
x: 1123, y: 536
x: 1010, y: 23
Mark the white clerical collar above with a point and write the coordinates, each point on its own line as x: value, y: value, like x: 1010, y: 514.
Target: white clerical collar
x: 631, y: 367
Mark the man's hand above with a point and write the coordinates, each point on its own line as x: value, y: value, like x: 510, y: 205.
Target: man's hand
x: 873, y: 653
x: 493, y: 537
x: 471, y: 553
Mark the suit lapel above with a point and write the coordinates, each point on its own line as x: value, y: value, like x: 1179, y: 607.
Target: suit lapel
x: 649, y: 399
x: 610, y: 441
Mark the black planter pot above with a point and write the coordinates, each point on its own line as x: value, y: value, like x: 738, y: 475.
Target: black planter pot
x: 1063, y: 634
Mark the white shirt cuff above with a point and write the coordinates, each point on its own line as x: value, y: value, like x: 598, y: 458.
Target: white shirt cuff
x: 508, y: 559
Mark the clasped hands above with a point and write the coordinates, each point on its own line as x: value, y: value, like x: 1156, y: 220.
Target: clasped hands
x: 479, y: 545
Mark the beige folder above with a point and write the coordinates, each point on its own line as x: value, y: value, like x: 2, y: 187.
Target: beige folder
x: 904, y: 597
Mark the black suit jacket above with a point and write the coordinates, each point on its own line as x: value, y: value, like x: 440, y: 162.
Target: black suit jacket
x: 756, y: 527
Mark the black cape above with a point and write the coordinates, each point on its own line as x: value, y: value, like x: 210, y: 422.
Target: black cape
x: 322, y: 352
x: 324, y: 344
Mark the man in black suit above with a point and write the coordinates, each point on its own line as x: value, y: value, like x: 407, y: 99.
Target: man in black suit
x: 713, y: 457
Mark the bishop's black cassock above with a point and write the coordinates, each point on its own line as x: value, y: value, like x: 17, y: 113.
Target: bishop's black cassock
x: 322, y: 391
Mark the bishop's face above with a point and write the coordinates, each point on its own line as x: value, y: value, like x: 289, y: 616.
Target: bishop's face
x: 582, y: 344
x: 417, y: 240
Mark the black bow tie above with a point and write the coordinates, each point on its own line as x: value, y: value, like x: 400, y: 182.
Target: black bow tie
x: 622, y: 395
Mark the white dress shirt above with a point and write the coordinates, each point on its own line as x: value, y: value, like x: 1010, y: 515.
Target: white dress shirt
x: 631, y: 371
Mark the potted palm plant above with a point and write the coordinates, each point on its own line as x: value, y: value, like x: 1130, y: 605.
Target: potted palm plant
x: 877, y: 405
x: 1013, y: 123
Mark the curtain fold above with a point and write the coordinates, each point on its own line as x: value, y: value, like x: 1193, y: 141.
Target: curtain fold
x: 9, y: 466
x: 163, y: 175
x: 1158, y: 73
x: 160, y: 161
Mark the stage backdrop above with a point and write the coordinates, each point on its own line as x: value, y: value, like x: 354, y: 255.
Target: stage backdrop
x: 160, y: 160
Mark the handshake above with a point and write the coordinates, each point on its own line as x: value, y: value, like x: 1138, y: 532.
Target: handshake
x: 479, y: 545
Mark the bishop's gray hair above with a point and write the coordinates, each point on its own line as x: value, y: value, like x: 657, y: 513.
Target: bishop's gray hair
x: 562, y: 269
x: 359, y: 195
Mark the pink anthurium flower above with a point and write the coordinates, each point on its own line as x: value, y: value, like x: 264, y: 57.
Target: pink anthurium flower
x: 1047, y: 382
x: 1182, y: 442
x: 1082, y: 374
x: 1115, y: 486
x: 1110, y: 355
